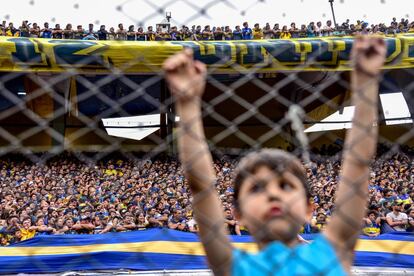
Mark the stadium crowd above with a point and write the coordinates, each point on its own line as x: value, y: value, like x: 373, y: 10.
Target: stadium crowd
x: 67, y: 196
x: 196, y: 33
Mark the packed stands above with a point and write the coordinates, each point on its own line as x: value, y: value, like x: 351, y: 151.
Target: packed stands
x: 167, y: 32
x: 67, y: 196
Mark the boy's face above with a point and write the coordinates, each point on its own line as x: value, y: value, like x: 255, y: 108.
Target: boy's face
x: 273, y: 206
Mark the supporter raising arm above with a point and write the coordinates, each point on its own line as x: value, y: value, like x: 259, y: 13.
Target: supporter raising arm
x: 271, y: 191
x: 368, y: 56
x: 186, y: 78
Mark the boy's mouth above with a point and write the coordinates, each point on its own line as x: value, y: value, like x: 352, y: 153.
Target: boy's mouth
x: 274, y: 212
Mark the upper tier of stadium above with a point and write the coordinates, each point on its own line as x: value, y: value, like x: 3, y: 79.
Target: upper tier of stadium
x: 165, y: 32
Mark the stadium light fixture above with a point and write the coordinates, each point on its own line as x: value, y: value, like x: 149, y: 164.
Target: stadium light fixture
x: 168, y: 16
x: 333, y: 12
x: 135, y: 127
x: 394, y: 106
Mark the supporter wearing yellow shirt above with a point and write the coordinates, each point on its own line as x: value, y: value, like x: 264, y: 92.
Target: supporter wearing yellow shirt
x: 11, y: 30
x: 372, y: 224
x: 257, y: 32
x: 28, y: 230
x: 285, y: 34
x: 111, y: 171
x: 150, y: 34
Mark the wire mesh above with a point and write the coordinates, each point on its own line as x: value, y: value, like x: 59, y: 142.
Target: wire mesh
x: 80, y: 155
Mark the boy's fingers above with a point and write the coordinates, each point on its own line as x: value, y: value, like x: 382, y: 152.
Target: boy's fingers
x: 200, y: 67
x: 380, y: 41
x: 380, y: 46
x: 177, y: 60
x: 188, y: 52
x: 169, y: 64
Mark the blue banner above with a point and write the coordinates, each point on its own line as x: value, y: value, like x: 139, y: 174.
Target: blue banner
x: 264, y: 56
x: 163, y: 249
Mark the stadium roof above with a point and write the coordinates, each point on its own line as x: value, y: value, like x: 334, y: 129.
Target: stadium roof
x: 394, y: 106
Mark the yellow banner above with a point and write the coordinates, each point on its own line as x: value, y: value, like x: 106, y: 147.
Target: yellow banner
x: 262, y: 56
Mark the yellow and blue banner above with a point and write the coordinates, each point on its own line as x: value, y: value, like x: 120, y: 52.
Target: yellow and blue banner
x: 163, y: 249
x: 136, y: 57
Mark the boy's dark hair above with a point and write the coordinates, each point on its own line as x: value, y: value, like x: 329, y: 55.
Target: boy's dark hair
x: 276, y: 160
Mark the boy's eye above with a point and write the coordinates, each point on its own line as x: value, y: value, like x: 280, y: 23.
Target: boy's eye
x: 258, y: 186
x: 285, y: 186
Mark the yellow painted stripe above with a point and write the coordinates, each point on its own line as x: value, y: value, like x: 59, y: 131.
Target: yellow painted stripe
x: 386, y: 246
x: 185, y: 248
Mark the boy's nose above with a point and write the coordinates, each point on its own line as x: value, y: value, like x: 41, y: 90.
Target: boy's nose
x: 273, y: 192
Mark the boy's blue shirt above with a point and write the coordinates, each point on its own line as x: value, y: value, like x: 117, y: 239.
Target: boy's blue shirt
x: 316, y: 258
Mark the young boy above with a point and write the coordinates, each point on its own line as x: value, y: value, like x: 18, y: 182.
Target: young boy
x: 271, y: 192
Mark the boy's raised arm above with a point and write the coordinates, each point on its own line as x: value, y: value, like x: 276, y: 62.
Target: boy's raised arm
x: 186, y: 79
x: 368, y: 56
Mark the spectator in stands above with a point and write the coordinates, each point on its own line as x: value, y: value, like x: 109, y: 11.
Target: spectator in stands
x: 127, y: 224
x: 372, y: 224
x: 121, y: 32
x: 68, y: 32
x: 111, y: 34
x: 294, y: 32
x: 303, y: 32
x: 27, y: 230
x: 79, y: 33
x: 150, y: 34
x: 162, y: 35
x: 228, y: 33
x: 11, y: 30
x: 140, y: 34
x: 318, y: 29
x: 345, y: 25
x: 41, y: 227
x: 232, y: 225
x: 186, y: 34
x: 257, y: 32
x: 102, y: 33
x: 276, y: 31
x: 218, y: 34
x: 319, y: 222
x: 396, y: 219
x: 46, y: 32
x: 237, y: 33
x: 177, y: 221
x: 24, y: 29
x: 175, y: 34
x: 57, y: 32
x: 90, y: 34
x: 207, y: 34
x: 267, y: 32
x: 328, y: 29
x: 131, y: 35
x: 246, y: 31
x: 285, y: 34
x: 84, y: 225
x: 142, y: 222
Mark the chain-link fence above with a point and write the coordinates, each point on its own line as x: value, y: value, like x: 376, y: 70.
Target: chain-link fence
x: 89, y: 153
